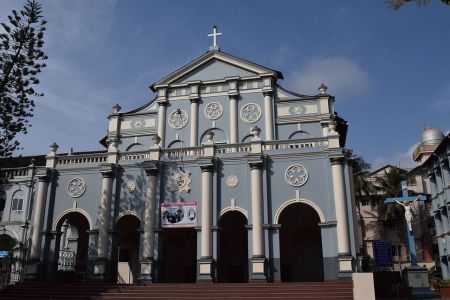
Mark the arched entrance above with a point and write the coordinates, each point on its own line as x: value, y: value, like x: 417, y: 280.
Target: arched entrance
x: 179, y: 261
x: 233, y: 248
x: 300, y: 244
x: 74, y: 241
x: 128, y: 249
x: 7, y: 243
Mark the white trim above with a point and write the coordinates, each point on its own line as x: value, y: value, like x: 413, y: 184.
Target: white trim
x: 302, y: 201
x: 74, y: 209
x: 234, y: 208
x: 11, y: 233
x: 127, y: 213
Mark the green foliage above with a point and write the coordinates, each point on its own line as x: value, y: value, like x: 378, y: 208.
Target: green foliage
x: 362, y: 185
x: 397, y: 4
x: 390, y: 185
x: 21, y: 59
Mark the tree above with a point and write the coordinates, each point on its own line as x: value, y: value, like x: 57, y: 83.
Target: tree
x: 363, y: 187
x: 396, y: 4
x: 390, y: 185
x: 21, y: 59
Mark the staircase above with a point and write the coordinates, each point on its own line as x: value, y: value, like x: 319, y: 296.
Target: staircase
x: 339, y: 289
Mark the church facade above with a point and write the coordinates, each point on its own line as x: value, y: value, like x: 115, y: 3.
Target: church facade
x: 225, y: 176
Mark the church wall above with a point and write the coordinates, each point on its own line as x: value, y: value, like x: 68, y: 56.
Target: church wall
x: 291, y: 130
x: 59, y: 199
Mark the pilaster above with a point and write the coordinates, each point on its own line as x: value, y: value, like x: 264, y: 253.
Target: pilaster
x: 147, y: 261
x: 340, y: 201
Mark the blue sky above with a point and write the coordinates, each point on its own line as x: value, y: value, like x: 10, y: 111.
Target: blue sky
x: 389, y: 70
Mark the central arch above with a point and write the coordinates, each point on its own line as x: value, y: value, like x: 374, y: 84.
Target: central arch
x: 301, y: 256
x: 179, y: 255
x: 233, y: 247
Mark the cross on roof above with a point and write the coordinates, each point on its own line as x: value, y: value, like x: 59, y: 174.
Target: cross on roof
x: 215, y: 34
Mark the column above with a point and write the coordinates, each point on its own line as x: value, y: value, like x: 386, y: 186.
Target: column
x: 258, y: 255
x: 38, y: 221
x: 234, y: 135
x: 343, y: 239
x: 162, y: 109
x: 206, y: 260
x: 100, y: 270
x: 268, y: 115
x: 147, y: 264
x: 194, y: 122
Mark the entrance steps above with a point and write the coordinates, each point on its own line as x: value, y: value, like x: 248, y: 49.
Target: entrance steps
x: 338, y: 289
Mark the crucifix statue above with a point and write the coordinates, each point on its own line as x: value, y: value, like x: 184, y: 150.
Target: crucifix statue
x: 407, y: 202
x: 215, y: 34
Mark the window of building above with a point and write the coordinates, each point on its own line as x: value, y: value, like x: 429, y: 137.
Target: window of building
x: 17, y: 201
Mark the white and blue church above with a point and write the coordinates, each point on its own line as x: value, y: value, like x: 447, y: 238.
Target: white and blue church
x: 224, y: 176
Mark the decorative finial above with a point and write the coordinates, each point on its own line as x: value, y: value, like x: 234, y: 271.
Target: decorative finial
x: 209, y: 137
x: 332, y: 125
x: 323, y: 89
x: 53, y: 148
x: 117, y: 108
x: 32, y: 162
x: 256, y: 131
x: 156, y: 140
x: 215, y: 34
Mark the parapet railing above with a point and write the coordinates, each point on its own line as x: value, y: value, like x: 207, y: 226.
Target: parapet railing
x: 82, y: 159
x: 12, y: 173
x: 194, y: 151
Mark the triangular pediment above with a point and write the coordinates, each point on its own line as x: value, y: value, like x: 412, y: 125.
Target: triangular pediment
x: 216, y: 65
x: 215, y: 69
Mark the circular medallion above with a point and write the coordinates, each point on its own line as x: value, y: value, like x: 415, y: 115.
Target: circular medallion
x: 76, y: 187
x: 178, y: 119
x: 180, y: 181
x: 232, y: 181
x: 131, y: 186
x: 295, y: 109
x: 296, y: 175
x: 137, y: 124
x: 250, y: 113
x: 213, y: 110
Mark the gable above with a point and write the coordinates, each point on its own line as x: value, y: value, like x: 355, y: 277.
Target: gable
x: 215, y: 65
x: 215, y: 69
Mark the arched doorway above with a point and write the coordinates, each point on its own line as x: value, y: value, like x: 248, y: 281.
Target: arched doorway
x: 233, y: 248
x: 128, y: 249
x: 179, y: 261
x: 74, y: 241
x: 300, y: 244
x: 7, y: 243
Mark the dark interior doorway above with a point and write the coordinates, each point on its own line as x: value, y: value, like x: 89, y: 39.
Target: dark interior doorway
x: 233, y: 248
x: 128, y: 249
x: 300, y: 244
x: 74, y: 242
x: 179, y: 255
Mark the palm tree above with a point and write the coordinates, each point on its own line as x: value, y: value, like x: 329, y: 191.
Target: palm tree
x: 390, y: 186
x: 363, y: 187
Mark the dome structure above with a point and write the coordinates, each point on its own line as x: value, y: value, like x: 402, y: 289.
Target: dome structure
x: 431, y: 136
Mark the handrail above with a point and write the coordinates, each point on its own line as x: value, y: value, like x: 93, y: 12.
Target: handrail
x: 82, y: 159
x: 15, y: 276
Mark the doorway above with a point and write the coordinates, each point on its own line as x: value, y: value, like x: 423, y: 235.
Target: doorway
x: 128, y: 249
x: 233, y: 248
x: 74, y: 241
x: 300, y: 244
x: 179, y: 255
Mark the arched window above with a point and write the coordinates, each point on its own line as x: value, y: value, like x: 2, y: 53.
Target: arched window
x: 17, y: 201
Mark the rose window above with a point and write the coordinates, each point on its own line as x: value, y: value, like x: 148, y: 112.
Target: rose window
x: 250, y: 113
x: 213, y: 110
x: 178, y: 119
x: 77, y: 187
x: 296, y: 175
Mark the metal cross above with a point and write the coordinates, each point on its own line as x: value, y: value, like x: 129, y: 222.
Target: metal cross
x: 406, y: 201
x: 214, y: 35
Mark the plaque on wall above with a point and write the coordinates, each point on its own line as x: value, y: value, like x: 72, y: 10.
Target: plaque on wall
x: 179, y: 215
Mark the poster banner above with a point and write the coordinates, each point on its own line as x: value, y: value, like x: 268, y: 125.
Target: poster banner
x: 179, y: 215
x: 383, y: 254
